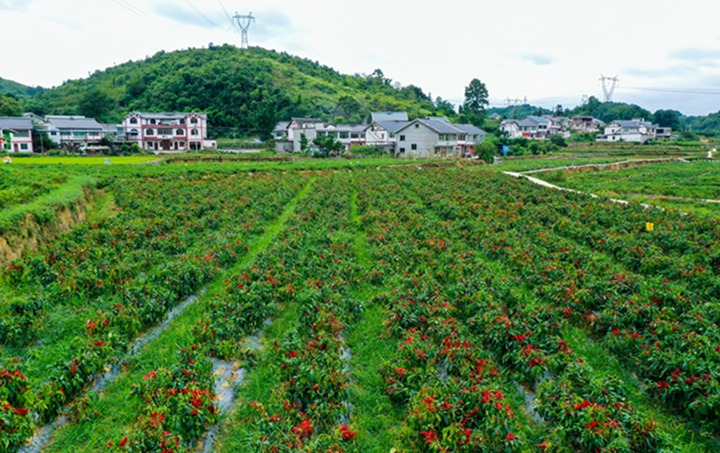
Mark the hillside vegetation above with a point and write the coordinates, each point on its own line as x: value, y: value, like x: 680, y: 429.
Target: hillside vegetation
x: 245, y: 91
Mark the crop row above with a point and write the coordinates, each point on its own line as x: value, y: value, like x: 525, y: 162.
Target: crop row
x: 447, y: 290
x: 663, y: 328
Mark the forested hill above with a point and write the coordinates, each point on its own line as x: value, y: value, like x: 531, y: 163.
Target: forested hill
x: 244, y: 91
x: 17, y: 89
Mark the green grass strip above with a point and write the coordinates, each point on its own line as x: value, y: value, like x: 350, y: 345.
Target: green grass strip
x: 43, y: 208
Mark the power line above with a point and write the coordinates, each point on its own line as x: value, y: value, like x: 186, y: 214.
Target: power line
x: 201, y: 14
x: 230, y: 19
x: 140, y: 13
x: 678, y: 90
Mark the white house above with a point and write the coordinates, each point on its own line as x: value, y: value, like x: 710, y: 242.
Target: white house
x: 16, y: 135
x: 381, y: 133
x: 424, y: 138
x: 636, y: 130
x: 74, y: 131
x: 535, y: 127
x: 383, y: 128
x: 586, y: 124
x: 168, y: 131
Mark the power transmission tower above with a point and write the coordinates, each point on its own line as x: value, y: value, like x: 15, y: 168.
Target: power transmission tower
x: 608, y: 91
x: 243, y: 24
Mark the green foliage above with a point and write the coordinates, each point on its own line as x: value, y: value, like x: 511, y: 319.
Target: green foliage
x: 476, y: 100
x: 18, y: 89
x: 558, y: 140
x: 366, y: 150
x: 487, y: 149
x: 667, y: 118
x: 95, y: 103
x: 610, y: 111
x: 328, y: 145
x: 10, y: 106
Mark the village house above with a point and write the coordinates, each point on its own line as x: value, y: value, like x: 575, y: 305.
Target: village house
x: 16, y: 135
x: 586, y: 124
x: 437, y: 137
x: 531, y: 127
x: 71, y: 131
x: 636, y: 130
x: 168, y: 131
x: 383, y: 128
x: 380, y: 133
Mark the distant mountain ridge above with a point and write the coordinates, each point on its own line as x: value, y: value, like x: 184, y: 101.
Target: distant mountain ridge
x: 18, y: 90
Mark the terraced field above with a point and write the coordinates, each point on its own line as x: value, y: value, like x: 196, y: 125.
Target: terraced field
x: 361, y: 309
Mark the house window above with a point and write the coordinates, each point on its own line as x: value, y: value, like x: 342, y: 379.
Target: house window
x: 193, y: 120
x: 152, y: 121
x: 164, y: 131
x: 194, y: 132
x: 149, y: 132
x: 24, y: 146
x: 402, y: 138
x: 413, y: 146
x: 417, y: 125
x: 402, y: 150
x: 344, y: 135
x: 179, y: 132
x: 133, y: 120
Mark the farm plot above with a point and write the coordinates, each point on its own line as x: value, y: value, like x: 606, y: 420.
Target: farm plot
x: 415, y: 309
x: 684, y: 186
x: 75, y: 309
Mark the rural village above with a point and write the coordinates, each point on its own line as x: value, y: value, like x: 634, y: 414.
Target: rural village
x: 221, y: 248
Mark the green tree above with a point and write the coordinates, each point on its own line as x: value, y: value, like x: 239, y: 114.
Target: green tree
x: 328, y: 145
x: 667, y: 118
x: 444, y: 108
x: 476, y: 99
x: 349, y: 107
x: 10, y: 106
x: 95, y: 104
x: 42, y: 143
x: 487, y: 150
x: 303, y: 142
x: 558, y: 140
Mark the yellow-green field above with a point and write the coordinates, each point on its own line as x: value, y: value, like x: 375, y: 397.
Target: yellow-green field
x: 61, y: 160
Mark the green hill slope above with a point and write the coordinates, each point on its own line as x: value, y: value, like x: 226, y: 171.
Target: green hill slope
x: 244, y: 91
x: 18, y: 89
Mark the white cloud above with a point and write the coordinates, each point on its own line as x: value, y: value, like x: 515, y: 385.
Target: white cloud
x: 552, y: 52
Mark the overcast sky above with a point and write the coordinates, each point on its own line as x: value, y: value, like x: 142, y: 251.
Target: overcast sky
x: 666, y: 55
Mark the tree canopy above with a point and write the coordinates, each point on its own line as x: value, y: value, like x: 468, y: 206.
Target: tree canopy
x: 476, y: 100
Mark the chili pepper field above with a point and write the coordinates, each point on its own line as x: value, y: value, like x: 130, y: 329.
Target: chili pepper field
x: 362, y: 308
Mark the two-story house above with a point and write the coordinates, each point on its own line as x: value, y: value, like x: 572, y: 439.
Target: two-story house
x: 16, y: 135
x: 436, y: 137
x: 72, y: 131
x: 168, y: 131
x: 636, y: 130
x: 586, y: 124
x: 383, y: 128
